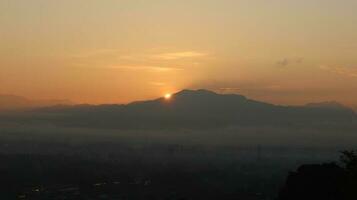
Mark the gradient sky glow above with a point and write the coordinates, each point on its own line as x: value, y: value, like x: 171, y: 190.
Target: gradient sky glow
x: 116, y: 51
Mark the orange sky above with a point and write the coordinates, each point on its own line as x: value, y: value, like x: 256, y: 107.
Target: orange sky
x: 116, y: 51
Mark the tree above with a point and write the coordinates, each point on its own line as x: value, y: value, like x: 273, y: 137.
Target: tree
x: 349, y: 160
x: 324, y: 181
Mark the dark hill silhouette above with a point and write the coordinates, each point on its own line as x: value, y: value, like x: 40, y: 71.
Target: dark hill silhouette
x: 323, y: 181
x: 198, y: 109
x: 314, y: 181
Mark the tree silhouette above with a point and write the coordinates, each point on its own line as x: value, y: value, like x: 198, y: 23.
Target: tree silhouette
x: 323, y: 181
x: 349, y: 160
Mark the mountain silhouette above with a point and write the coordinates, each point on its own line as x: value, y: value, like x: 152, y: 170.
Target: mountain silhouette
x: 13, y: 102
x: 198, y: 109
x: 329, y: 105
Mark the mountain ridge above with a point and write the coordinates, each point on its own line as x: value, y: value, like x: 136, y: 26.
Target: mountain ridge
x: 198, y: 109
x: 10, y: 102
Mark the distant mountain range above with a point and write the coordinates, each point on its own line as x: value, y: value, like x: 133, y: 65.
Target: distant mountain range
x: 12, y: 102
x: 189, y: 109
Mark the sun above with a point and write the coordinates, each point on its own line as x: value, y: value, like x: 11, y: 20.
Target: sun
x: 168, y: 96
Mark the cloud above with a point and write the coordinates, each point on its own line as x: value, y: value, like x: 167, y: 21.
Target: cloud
x: 178, y: 55
x: 96, y: 53
x: 284, y: 62
x: 341, y: 70
x: 289, y: 61
x: 105, y: 53
x: 253, y: 88
x: 115, y: 59
x: 144, y: 67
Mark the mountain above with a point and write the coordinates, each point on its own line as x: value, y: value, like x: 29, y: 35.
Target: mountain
x: 328, y: 105
x: 189, y: 109
x: 12, y: 102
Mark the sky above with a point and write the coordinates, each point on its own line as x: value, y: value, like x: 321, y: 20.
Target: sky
x: 118, y: 51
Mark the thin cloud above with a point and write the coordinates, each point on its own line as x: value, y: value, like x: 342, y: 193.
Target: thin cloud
x: 144, y: 67
x: 265, y: 88
x: 96, y: 53
x: 341, y: 70
x: 179, y: 55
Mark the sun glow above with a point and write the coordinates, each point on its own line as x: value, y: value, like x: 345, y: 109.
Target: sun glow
x: 168, y: 96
